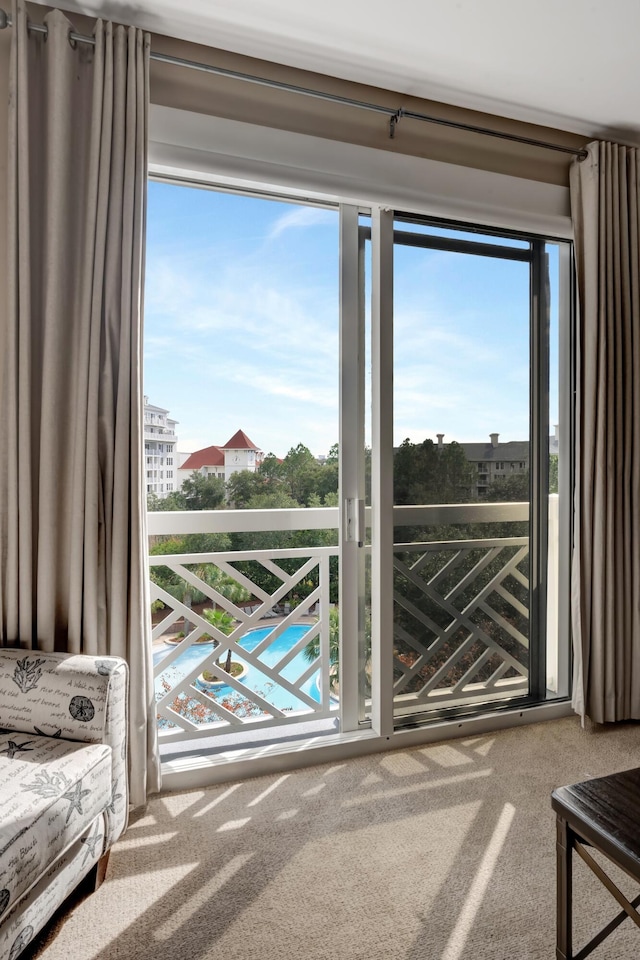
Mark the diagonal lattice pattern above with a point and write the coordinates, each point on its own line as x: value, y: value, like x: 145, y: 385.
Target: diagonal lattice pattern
x: 461, y: 621
x: 274, y: 672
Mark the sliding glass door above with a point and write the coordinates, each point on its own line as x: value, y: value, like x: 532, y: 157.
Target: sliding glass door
x: 458, y: 560
x: 412, y: 571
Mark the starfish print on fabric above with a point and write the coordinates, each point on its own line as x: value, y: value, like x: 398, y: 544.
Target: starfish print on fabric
x: 114, y: 796
x: 75, y: 797
x: 54, y: 736
x: 13, y: 748
x: 92, y: 843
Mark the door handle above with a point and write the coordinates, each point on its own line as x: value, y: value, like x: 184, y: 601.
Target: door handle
x: 354, y: 520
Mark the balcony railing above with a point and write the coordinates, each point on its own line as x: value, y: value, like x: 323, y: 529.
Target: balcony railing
x: 461, y: 616
x: 158, y: 432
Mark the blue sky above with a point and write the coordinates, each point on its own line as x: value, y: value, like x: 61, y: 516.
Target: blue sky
x: 241, y: 328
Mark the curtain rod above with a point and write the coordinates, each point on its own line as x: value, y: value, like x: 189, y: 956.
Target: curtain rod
x: 394, y: 115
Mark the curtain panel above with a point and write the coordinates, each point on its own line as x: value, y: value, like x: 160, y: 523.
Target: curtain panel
x: 605, y: 204
x: 73, y: 543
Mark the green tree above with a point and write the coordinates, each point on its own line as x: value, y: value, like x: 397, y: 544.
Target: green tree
x: 312, y: 649
x: 334, y: 454
x: 173, y: 501
x: 511, y: 489
x: 300, y: 473
x: 242, y: 486
x: 267, y: 539
x: 424, y: 473
x: 154, y: 503
x: 327, y: 478
x: 270, y: 471
x: 202, y: 492
x: 553, y: 473
x: 210, y: 574
x: 223, y: 622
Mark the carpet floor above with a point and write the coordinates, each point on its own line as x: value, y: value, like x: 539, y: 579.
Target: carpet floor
x: 441, y: 852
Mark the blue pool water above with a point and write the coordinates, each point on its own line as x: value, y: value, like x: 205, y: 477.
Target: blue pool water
x: 254, y: 678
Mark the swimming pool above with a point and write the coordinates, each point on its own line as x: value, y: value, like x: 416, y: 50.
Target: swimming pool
x: 254, y: 678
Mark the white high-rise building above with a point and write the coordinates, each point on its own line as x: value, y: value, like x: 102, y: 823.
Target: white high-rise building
x: 160, y: 455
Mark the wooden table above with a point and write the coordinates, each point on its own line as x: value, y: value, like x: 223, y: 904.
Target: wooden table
x: 603, y: 813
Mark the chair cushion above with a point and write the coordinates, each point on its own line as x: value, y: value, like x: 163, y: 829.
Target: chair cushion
x: 30, y: 913
x: 51, y: 790
x: 51, y: 692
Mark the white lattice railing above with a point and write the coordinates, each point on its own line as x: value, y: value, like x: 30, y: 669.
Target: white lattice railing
x: 188, y: 706
x: 279, y: 685
x: 473, y: 650
x: 461, y: 622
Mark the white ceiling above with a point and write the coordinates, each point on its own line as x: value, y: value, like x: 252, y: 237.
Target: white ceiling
x: 573, y: 64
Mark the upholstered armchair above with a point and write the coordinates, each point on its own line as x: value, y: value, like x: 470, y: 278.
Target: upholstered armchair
x: 63, y: 782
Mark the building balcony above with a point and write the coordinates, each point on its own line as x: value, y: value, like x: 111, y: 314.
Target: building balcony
x: 159, y: 434
x: 461, y: 620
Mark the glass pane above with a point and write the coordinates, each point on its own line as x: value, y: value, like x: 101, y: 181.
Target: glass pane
x: 461, y: 439
x: 456, y: 233
x: 241, y: 318
x: 557, y: 653
x: 241, y: 361
x: 364, y: 690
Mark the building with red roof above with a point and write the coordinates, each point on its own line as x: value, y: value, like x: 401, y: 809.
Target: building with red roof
x: 238, y: 453
x: 208, y: 457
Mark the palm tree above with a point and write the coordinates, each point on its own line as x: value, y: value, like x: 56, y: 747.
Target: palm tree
x: 181, y: 590
x: 312, y: 649
x: 223, y: 622
x: 186, y: 593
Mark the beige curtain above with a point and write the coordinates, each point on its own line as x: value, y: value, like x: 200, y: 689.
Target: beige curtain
x: 605, y: 205
x: 73, y: 541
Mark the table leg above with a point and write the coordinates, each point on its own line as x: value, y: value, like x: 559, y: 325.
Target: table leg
x: 564, y: 847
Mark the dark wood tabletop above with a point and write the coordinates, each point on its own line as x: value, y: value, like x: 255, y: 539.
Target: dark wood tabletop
x: 605, y: 811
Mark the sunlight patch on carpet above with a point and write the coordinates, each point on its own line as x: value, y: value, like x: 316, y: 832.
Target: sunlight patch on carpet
x: 417, y: 787
x: 265, y: 793
x: 314, y: 791
x: 180, y: 917
x: 177, y: 803
x: 219, y: 799
x: 401, y: 764
x: 464, y: 923
x: 128, y: 843
x: 233, y: 825
x: 446, y: 756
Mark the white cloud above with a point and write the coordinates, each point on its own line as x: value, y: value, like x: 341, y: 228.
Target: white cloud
x: 189, y: 444
x: 301, y: 217
x: 277, y: 384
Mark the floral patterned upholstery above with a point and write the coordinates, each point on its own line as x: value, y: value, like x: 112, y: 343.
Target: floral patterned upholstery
x: 63, y: 784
